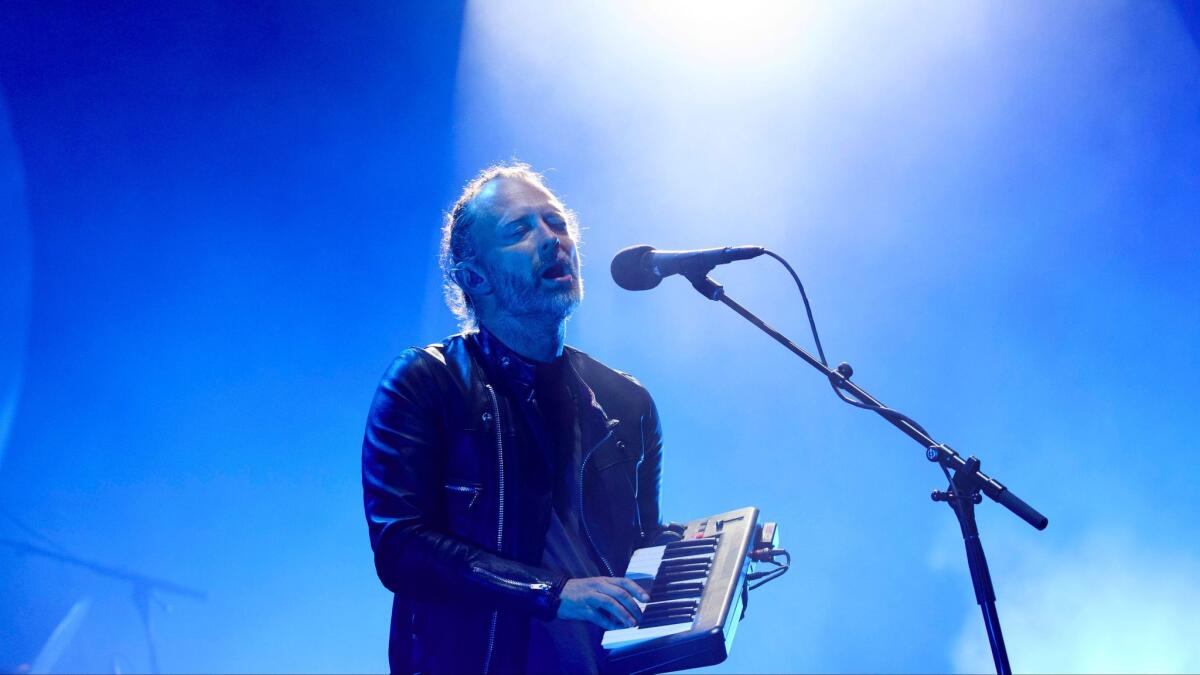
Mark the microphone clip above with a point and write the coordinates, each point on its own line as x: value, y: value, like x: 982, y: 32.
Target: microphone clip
x: 704, y: 285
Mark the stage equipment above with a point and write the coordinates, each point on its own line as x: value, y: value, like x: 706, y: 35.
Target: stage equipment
x: 144, y: 589
x: 964, y: 484
x: 699, y: 587
x: 639, y: 268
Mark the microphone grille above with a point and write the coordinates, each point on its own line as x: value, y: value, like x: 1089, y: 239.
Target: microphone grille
x: 630, y: 272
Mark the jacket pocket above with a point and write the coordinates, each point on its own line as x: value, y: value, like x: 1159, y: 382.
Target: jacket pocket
x: 463, y: 495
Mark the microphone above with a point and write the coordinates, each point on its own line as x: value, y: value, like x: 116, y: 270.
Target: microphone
x: 640, y: 268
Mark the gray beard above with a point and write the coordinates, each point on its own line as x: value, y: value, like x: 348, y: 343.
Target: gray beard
x: 520, y: 298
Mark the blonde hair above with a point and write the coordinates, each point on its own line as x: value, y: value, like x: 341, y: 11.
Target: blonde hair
x: 457, y: 244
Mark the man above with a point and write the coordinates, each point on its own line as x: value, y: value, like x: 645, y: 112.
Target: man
x: 507, y: 478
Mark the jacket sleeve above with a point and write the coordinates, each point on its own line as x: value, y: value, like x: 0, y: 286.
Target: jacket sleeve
x: 401, y: 470
x: 650, y: 475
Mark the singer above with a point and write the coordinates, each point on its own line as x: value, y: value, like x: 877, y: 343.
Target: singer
x: 507, y: 478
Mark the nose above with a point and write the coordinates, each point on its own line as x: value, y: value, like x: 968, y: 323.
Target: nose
x: 550, y: 243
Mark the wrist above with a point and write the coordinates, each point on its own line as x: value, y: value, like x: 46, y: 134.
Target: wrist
x: 556, y: 589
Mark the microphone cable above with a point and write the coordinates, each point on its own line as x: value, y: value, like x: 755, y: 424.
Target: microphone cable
x: 886, y: 412
x: 889, y: 413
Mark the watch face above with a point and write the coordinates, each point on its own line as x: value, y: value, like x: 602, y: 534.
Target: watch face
x: 16, y: 268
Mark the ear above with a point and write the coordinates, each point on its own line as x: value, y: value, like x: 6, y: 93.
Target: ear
x: 471, y: 277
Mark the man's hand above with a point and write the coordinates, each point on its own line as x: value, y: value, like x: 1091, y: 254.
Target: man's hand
x: 607, y: 602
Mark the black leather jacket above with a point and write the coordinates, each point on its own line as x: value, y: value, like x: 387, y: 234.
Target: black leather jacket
x: 437, y: 495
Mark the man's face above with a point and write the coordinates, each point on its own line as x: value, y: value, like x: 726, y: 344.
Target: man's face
x: 526, y: 251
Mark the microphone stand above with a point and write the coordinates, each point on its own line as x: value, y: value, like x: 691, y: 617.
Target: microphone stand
x: 966, y: 481
x: 145, y: 588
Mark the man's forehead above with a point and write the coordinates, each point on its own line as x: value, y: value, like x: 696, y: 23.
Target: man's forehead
x: 506, y: 198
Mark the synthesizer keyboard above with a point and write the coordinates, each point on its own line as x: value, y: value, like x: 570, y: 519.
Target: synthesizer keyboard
x: 696, y: 588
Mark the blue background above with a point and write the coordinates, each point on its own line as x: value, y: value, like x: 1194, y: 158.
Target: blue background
x: 220, y: 221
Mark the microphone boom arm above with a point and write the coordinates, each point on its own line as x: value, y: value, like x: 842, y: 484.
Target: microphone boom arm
x: 966, y: 482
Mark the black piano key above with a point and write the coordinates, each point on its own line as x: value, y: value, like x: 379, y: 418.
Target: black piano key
x: 689, y: 547
x: 676, y: 595
x: 664, y: 622
x: 686, y: 591
x: 658, y: 614
x: 697, y: 565
x: 689, y: 556
x: 652, y: 616
x: 659, y: 611
x: 694, y: 572
x: 671, y: 604
x: 698, y: 546
x: 676, y: 586
x: 698, y: 559
x: 693, y: 603
x: 667, y: 618
x: 680, y: 576
x: 663, y: 581
x: 684, y: 543
x: 684, y: 552
x: 689, y: 553
x: 685, y: 564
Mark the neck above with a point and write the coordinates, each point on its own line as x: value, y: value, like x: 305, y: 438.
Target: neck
x: 536, y: 340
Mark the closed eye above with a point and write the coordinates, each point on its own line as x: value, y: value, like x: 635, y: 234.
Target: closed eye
x: 557, y: 223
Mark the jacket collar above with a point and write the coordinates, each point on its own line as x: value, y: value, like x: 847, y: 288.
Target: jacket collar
x: 586, y: 398
x: 519, y: 375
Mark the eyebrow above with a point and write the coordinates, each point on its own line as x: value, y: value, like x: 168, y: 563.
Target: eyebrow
x: 554, y: 211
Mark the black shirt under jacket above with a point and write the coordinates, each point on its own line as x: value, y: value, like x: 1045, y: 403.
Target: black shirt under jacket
x: 550, y: 467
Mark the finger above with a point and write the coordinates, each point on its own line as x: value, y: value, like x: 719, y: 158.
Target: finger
x: 631, y: 586
x: 601, y: 619
x: 618, y: 593
x: 615, y: 609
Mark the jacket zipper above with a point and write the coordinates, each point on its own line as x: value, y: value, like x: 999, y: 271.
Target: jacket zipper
x: 472, y: 490
x: 487, y: 660
x: 512, y: 583
x: 582, y: 515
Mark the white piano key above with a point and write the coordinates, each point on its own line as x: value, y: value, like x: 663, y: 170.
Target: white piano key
x: 623, y: 638
x: 644, y: 563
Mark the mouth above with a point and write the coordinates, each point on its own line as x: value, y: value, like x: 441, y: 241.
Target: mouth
x: 558, y: 272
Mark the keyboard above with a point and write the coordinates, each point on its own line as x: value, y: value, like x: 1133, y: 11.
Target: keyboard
x: 696, y: 588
